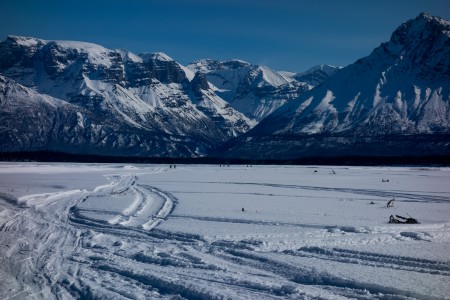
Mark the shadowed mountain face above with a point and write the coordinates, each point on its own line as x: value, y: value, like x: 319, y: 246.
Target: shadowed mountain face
x: 393, y: 102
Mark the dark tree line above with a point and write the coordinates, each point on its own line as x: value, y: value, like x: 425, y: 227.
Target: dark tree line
x: 52, y: 156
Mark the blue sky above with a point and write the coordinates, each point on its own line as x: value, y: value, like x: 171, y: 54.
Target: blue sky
x: 290, y: 35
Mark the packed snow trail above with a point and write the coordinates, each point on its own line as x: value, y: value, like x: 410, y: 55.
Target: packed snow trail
x: 42, y: 237
x: 160, y: 234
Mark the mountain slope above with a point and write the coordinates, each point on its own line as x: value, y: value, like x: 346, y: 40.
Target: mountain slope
x: 316, y: 75
x: 392, y: 102
x: 33, y: 121
x: 150, y: 94
x: 254, y: 90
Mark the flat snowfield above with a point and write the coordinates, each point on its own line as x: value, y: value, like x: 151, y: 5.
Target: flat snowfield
x: 110, y: 231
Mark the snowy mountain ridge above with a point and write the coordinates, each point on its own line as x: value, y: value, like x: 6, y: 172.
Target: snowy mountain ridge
x: 150, y: 93
x: 316, y: 75
x: 381, y: 103
x: 254, y: 90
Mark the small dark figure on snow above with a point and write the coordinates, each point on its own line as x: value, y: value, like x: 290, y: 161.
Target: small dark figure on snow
x: 243, y: 209
x: 402, y: 220
x: 390, y: 203
x: 393, y: 220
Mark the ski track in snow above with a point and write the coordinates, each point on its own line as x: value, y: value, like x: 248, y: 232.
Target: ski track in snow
x: 108, y: 243
x: 396, y: 194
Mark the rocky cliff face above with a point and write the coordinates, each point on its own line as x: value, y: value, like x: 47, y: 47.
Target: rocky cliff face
x: 149, y: 95
x: 254, y: 90
x: 392, y: 102
x: 32, y: 121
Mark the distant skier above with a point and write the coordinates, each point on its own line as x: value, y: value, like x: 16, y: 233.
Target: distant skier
x: 390, y: 203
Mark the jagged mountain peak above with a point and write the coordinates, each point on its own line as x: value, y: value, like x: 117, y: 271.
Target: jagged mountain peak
x: 316, y: 75
x: 235, y: 64
x: 128, y: 56
x: 327, y: 69
x: 418, y: 35
x: 208, y: 65
x: 84, y: 47
x: 156, y: 56
x: 265, y: 76
x: 32, y: 41
x: 23, y: 40
x: 251, y: 89
x: 423, y: 27
x: 396, y: 98
x: 391, y: 80
x: 61, y: 50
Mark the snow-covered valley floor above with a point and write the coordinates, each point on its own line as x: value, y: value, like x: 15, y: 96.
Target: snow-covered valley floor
x: 109, y: 231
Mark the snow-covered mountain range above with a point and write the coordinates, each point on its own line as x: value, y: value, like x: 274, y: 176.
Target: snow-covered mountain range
x: 127, y: 104
x: 121, y: 103
x: 256, y: 90
x: 395, y: 101
x: 83, y: 98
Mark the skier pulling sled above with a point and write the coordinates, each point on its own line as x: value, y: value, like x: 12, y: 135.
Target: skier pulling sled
x: 402, y: 220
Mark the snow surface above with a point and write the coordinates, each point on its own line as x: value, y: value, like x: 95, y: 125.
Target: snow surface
x: 111, y: 231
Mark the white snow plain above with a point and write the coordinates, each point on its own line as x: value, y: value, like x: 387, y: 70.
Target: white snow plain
x: 110, y: 231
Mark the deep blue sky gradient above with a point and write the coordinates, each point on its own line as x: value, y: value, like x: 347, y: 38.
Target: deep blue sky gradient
x: 291, y: 35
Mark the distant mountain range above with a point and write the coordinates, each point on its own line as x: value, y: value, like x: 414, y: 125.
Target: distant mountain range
x: 81, y: 98
x: 254, y: 90
x: 120, y: 103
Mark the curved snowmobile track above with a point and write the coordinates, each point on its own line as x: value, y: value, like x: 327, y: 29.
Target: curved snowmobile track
x: 160, y: 234
x: 130, y: 206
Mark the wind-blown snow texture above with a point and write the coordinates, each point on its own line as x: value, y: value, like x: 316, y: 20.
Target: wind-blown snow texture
x: 156, y: 232
x: 395, y: 101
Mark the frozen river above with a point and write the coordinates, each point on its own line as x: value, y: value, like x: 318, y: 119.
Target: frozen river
x: 110, y: 231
